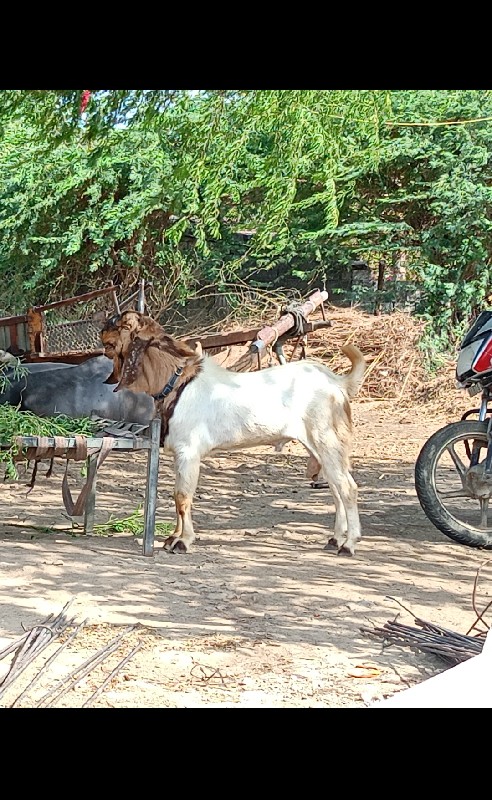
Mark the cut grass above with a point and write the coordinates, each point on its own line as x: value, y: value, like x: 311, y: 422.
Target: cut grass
x: 14, y: 422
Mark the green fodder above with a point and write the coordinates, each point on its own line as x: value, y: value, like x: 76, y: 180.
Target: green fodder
x: 133, y: 523
x: 14, y: 423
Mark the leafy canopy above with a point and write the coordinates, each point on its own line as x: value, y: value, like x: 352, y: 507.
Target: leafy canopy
x: 159, y: 183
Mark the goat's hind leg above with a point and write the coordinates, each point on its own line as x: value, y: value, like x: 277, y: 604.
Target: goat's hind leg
x: 340, y: 534
x: 334, y: 462
x: 347, y: 523
x: 186, y: 481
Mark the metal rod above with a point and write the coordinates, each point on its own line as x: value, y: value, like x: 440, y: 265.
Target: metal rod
x: 128, y: 300
x: 141, y: 296
x: 484, y: 403
x: 89, y: 664
x: 90, y: 503
x: 45, y: 666
x: 151, y: 488
x: 110, y: 677
x: 116, y: 303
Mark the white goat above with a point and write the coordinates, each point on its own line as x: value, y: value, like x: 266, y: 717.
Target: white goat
x: 205, y: 407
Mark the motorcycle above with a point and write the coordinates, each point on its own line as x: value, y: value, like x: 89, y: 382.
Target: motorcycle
x: 453, y: 471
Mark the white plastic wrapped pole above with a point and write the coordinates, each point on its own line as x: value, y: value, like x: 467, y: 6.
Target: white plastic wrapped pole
x: 270, y: 333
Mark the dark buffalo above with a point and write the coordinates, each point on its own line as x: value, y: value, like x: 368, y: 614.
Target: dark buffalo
x: 77, y: 391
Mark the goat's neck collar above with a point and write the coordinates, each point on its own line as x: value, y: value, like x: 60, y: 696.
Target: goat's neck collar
x: 169, y: 385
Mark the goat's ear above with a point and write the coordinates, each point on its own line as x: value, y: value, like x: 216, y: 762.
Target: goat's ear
x: 117, y: 369
x: 132, y: 364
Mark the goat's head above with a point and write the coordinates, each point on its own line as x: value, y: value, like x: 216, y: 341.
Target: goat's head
x: 117, y: 336
x: 144, y: 356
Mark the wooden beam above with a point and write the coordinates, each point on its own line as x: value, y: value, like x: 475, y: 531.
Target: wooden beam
x: 35, y: 330
x: 77, y: 299
x: 6, y: 321
x: 270, y: 334
x: 68, y: 357
x: 224, y: 339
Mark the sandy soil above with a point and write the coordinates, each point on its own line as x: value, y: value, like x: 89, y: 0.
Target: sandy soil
x: 258, y: 614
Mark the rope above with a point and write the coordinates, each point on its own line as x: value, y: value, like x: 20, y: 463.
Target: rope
x: 300, y: 321
x: 77, y: 509
x: 80, y: 452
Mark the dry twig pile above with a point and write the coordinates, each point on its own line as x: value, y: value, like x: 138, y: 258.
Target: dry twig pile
x: 396, y: 365
x: 449, y: 646
x: 33, y: 643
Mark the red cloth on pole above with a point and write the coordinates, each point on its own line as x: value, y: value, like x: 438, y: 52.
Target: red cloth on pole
x: 84, y: 100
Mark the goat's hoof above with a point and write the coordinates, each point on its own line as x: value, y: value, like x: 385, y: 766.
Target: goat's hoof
x: 345, y: 551
x: 174, y: 545
x: 331, y: 544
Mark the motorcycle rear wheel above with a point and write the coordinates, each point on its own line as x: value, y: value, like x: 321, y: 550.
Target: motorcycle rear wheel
x: 442, y: 462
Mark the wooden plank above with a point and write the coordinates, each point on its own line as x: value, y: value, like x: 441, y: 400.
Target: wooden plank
x: 224, y: 339
x: 22, y: 336
x: 69, y: 357
x: 14, y: 334
x: 6, y: 321
x: 13, y: 338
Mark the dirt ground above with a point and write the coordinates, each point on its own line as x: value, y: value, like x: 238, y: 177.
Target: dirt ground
x: 258, y: 614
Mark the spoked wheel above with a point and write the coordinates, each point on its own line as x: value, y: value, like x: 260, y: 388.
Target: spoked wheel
x: 451, y: 485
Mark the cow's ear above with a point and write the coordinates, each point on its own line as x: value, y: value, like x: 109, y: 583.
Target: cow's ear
x: 131, y: 371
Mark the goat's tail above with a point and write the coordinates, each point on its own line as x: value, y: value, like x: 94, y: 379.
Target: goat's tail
x: 353, y: 380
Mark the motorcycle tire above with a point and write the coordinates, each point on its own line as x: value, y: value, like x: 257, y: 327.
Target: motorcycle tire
x: 425, y: 482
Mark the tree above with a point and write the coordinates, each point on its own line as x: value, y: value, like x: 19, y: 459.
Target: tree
x: 159, y: 183
x: 93, y: 185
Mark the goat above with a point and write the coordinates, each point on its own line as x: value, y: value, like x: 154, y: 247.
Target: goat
x: 204, y: 407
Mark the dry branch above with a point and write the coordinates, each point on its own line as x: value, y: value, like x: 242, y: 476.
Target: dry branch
x: 71, y: 680
x: 110, y: 677
x: 46, y: 666
x: 31, y: 646
x: 448, y: 645
x: 451, y: 647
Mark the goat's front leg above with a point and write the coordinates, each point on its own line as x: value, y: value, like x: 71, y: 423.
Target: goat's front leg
x: 186, y: 480
x: 178, y: 529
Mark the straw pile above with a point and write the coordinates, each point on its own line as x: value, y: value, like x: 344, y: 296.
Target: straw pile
x: 396, y: 368
x: 389, y: 343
